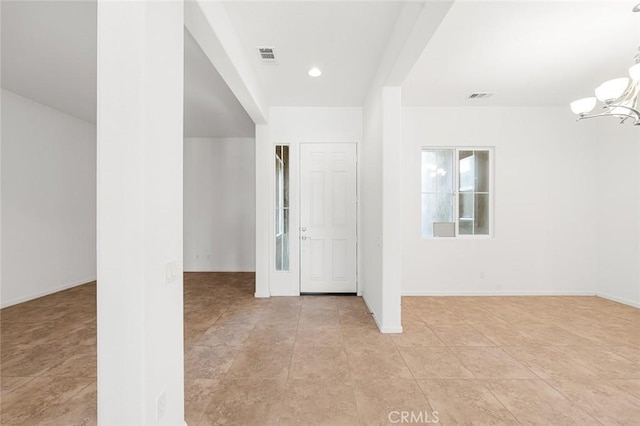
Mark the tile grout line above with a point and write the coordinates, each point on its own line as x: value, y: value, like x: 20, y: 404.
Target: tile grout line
x: 574, y: 403
x: 293, y: 348
x: 500, y: 401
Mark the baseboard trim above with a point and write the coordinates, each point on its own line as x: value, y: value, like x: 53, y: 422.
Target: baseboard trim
x: 285, y: 294
x: 213, y: 270
x: 499, y: 293
x: 23, y: 299
x: 391, y: 330
x: 373, y: 314
x: 622, y: 300
x: 381, y: 327
x: 261, y: 295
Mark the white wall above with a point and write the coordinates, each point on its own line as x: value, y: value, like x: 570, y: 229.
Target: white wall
x: 48, y: 200
x: 292, y: 126
x: 219, y: 204
x: 617, y: 168
x: 381, y: 206
x: 263, y: 165
x: 392, y: 219
x: 372, y: 291
x: 545, y: 233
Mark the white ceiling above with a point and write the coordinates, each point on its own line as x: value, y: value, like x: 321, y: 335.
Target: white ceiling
x: 535, y: 53
x: 210, y: 108
x: 531, y: 53
x: 49, y: 55
x: 345, y: 39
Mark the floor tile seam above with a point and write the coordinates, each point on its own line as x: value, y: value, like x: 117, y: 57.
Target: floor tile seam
x: 493, y: 344
x: 610, y: 349
x: 578, y: 334
x: 346, y: 354
x: 574, y: 403
x: 436, y: 334
x: 359, y: 409
x: 613, y: 382
x: 539, y: 377
x: 586, y: 365
x: 484, y: 386
x: 293, y: 347
x: 193, y: 345
x: 4, y: 376
x: 22, y: 384
x: 70, y: 397
x: 69, y: 377
x: 406, y: 364
x: 463, y: 364
x: 521, y: 364
x: 508, y: 355
x: 424, y: 395
x: 82, y: 389
x: 234, y: 357
x: 41, y: 373
x: 487, y: 337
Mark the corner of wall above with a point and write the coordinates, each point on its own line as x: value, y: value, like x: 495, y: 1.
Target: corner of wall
x: 617, y: 159
x: 45, y: 148
x: 262, y: 210
x: 35, y: 295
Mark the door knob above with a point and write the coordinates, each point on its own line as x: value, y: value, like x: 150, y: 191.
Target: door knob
x: 303, y: 238
x: 303, y: 229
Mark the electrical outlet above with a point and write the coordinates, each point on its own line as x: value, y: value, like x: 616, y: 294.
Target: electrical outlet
x: 161, y: 406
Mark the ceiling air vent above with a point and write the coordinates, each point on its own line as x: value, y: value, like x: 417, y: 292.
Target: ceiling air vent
x: 267, y: 54
x: 481, y: 95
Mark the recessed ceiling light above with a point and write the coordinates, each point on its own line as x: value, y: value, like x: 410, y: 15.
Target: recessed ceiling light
x: 314, y: 72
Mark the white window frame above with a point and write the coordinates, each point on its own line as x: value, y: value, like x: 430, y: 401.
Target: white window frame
x: 279, y: 197
x: 281, y: 212
x: 456, y: 198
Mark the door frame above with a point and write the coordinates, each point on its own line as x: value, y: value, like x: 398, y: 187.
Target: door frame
x: 357, y: 215
x: 287, y: 283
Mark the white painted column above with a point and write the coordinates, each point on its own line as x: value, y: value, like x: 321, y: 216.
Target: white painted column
x: 264, y: 157
x: 139, y: 130
x: 1, y: 264
x: 637, y: 292
x: 391, y: 208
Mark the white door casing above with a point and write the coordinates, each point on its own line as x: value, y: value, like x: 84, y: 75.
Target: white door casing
x: 328, y: 218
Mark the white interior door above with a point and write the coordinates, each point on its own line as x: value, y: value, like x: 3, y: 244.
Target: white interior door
x: 328, y: 209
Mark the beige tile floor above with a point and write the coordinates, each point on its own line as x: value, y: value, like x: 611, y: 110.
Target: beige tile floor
x: 321, y: 360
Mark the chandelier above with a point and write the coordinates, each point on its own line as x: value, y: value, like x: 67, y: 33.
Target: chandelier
x: 619, y: 97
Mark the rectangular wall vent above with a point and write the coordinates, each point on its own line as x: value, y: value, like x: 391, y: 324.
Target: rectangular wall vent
x: 480, y: 95
x: 267, y: 54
